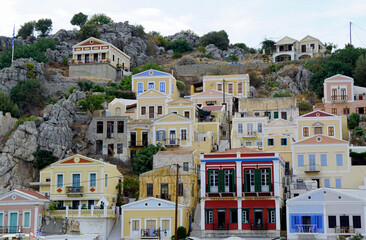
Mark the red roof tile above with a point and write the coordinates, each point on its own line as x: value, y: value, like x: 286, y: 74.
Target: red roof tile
x: 32, y: 193
x: 242, y: 150
x: 321, y: 139
x: 177, y: 152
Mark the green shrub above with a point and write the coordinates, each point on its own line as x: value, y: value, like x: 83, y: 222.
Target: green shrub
x: 87, y: 31
x: 207, y: 56
x: 92, y: 103
x: 79, y: 19
x: 98, y: 88
x: 130, y: 186
x: 143, y: 159
x: 20, y: 121
x: 99, y: 19
x: 274, y: 67
x: 354, y: 120
x: 71, y: 90
x: 358, y: 131
x: 255, y: 81
x: 282, y: 94
x: 220, y: 39
x: 43, y: 158
x: 177, y: 55
x: 7, y: 105
x: 52, y: 206
x: 180, y: 85
x: 26, y: 29
x: 201, y: 49
x: 304, y: 107
x: 44, y: 26
x: 233, y: 58
x: 181, y: 232
x: 162, y: 42
x: 242, y: 46
x: 85, y: 85
x: 180, y: 46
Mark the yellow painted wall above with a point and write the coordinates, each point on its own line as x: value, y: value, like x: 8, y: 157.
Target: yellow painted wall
x: 303, y: 123
x: 169, y: 82
x: 151, y: 99
x: 210, y: 83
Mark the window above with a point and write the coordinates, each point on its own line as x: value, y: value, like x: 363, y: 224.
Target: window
x: 1, y: 219
x: 332, y: 221
x: 323, y: 159
x: 246, y: 216
x: 334, y: 111
x: 185, y: 166
x: 140, y: 88
x: 117, y: 112
x: 305, y: 131
x: 143, y: 110
x: 209, y: 216
x: 93, y: 180
x: 230, y: 87
x: 219, y: 87
x: 275, y: 115
x: 270, y: 142
x: 103, y: 56
x: 345, y: 110
x: 149, y: 190
x: 110, y: 129
x: 338, y: 182
x: 183, y: 134
x: 119, y: 148
x: 260, y: 127
x: 312, y: 46
x: 240, y: 87
x: 99, y: 127
x: 259, y: 143
x: 248, y: 144
x: 79, y: 57
x: 164, y: 190
x: 106, y: 180
x: 318, y: 130
x: 60, y: 180
x: 213, y: 176
x: 265, y: 175
x: 240, y: 128
x: 160, y: 110
x: 356, y: 221
x: 331, y: 131
x: 120, y: 126
x: 271, y: 215
x: 327, y: 183
x: 113, y: 58
x: 162, y: 87
x: 186, y: 114
x: 160, y: 135
x: 110, y: 149
x: 283, y: 141
x: 172, y: 87
x: 26, y: 219
x: 180, y: 189
x: 300, y: 160
x: 284, y: 115
x: 150, y: 85
x: 234, y: 216
x: 339, y: 158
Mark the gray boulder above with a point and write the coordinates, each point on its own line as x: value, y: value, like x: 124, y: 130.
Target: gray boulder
x: 188, y: 35
x: 214, y: 51
x: 235, y: 51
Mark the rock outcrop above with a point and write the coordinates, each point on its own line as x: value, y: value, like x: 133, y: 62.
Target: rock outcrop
x: 295, y: 79
x: 189, y: 36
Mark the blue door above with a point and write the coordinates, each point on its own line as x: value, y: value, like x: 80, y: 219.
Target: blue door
x: 312, y: 166
x: 13, y: 222
x: 75, y: 182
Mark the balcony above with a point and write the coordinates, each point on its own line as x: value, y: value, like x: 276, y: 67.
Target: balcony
x: 227, y: 192
x: 150, y: 233
x: 138, y: 143
x: 74, y: 191
x: 258, y: 226
x: 305, y: 228
x: 339, y: 98
x: 264, y: 192
x: 67, y: 212
x: 250, y: 134
x: 172, y: 142
x: 312, y: 168
x: 164, y: 196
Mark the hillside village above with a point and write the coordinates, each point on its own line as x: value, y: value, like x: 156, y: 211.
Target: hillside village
x: 115, y: 136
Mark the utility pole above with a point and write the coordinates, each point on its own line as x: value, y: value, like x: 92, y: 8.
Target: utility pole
x: 176, y: 205
x: 350, y: 33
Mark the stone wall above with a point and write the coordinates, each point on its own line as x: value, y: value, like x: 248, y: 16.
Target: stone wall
x: 95, y: 70
x: 6, y: 123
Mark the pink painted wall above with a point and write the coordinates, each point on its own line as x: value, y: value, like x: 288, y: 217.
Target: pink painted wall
x: 348, y: 85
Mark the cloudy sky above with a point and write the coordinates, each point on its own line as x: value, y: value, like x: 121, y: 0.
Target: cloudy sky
x: 247, y: 21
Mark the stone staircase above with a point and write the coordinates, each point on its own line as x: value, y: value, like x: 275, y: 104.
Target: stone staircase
x: 196, y: 225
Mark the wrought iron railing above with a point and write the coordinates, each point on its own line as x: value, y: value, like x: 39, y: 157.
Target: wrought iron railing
x: 74, y: 190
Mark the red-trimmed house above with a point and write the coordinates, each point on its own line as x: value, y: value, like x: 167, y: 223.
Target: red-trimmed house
x: 21, y: 210
x: 241, y: 193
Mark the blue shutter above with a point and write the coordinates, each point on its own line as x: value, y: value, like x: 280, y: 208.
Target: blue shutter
x: 139, y: 88
x: 300, y: 160
x: 327, y: 183
x: 339, y: 159
x: 338, y: 183
x: 163, y: 135
x: 292, y: 224
x: 157, y: 136
x: 319, y: 224
x: 323, y: 159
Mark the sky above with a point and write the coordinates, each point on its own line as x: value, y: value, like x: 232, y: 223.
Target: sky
x: 245, y: 21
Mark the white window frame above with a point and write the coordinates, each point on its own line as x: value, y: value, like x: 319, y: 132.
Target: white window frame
x: 106, y: 180
x: 30, y: 218
x: 138, y: 83
x: 157, y: 111
x: 39, y: 220
x: 181, y: 134
x: 184, y: 113
x: 217, y: 86
x: 170, y: 226
x: 141, y: 110
x: 334, y: 130
x: 89, y: 179
x: 139, y: 231
x: 72, y: 174
x: 261, y: 128
x: 2, y: 219
x: 242, y: 88
x: 248, y: 143
x: 156, y: 222
x: 148, y: 85
x: 240, y: 129
x: 259, y: 145
x: 160, y: 82
x: 63, y: 180
x: 9, y: 213
x: 227, y: 88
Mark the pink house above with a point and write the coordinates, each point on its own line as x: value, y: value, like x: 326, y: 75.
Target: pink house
x: 21, y: 210
x: 341, y: 97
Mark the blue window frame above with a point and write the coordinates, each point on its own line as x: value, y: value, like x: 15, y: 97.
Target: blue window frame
x: 140, y: 88
x: 93, y: 179
x: 60, y: 180
x: 283, y: 141
x: 338, y: 183
x: 300, y: 160
x: 339, y: 158
x: 323, y: 159
x: 150, y: 85
x: 327, y: 183
x: 172, y: 87
x: 162, y: 87
x: 270, y: 142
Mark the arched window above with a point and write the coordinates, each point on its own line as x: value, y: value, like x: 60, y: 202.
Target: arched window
x: 118, y: 111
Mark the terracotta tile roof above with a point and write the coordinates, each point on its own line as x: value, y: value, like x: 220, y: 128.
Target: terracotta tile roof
x: 242, y: 150
x: 318, y: 113
x: 32, y: 193
x: 177, y: 152
x: 321, y: 139
x: 213, y: 108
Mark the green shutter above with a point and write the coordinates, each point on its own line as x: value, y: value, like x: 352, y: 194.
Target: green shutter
x: 232, y: 181
x: 221, y: 181
x: 258, y: 183
x: 208, y: 181
x: 270, y: 179
x: 244, y: 180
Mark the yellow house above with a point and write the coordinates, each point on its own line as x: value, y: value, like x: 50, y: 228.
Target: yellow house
x: 151, y: 104
x: 247, y: 131
x: 93, y: 50
x: 139, y: 135
x: 183, y: 107
x: 152, y: 218
x: 288, y: 49
x: 319, y: 122
x: 173, y: 131
x: 161, y: 183
x: 213, y: 98
x: 235, y: 85
x: 123, y: 107
x: 80, y: 182
x: 153, y: 79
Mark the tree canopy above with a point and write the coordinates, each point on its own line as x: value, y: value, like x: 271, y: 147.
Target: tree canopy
x: 79, y: 19
x: 220, y: 39
x: 268, y: 46
x: 360, y: 71
x: 43, y: 158
x: 7, y: 105
x: 180, y: 46
x: 143, y: 160
x: 100, y: 19
x: 44, y: 26
x: 27, y: 29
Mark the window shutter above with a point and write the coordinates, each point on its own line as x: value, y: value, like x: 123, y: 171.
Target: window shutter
x: 157, y: 136
x: 232, y: 181
x: 208, y: 181
x: 244, y: 180
x: 163, y: 136
x: 270, y: 179
x: 221, y: 180
x: 293, y: 223
x: 256, y: 179
x: 319, y: 222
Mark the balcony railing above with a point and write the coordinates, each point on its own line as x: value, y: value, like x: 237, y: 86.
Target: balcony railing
x: 150, y: 233
x: 172, y: 142
x: 250, y: 133
x: 258, y: 226
x: 347, y: 229
x: 74, y: 190
x: 227, y: 192
x: 106, y: 212
x: 138, y: 143
x: 339, y: 98
x: 164, y: 196
x: 312, y: 168
x: 305, y: 228
x: 13, y: 229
